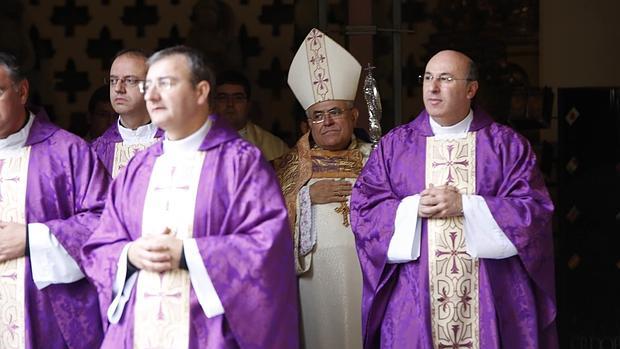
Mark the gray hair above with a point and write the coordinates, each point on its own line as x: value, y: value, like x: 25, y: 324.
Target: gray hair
x: 9, y: 62
x: 473, y: 71
x: 198, y: 67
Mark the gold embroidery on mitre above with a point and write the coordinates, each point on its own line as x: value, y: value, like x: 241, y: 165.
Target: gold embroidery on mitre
x: 316, y: 51
x: 13, y: 183
x: 453, y: 273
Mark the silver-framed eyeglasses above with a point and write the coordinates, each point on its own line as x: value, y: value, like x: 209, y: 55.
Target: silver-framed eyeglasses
x: 129, y: 81
x: 318, y: 116
x: 163, y: 83
x: 443, y: 79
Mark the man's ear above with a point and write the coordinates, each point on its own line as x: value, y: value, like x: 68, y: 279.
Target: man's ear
x: 202, y: 91
x: 356, y: 114
x: 22, y: 90
x: 472, y: 88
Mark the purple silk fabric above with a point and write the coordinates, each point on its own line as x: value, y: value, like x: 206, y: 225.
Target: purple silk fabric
x: 66, y: 190
x: 517, y: 296
x: 241, y: 228
x: 104, y: 145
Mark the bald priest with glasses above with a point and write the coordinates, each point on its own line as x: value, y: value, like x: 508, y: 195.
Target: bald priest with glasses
x: 316, y: 177
x: 452, y: 222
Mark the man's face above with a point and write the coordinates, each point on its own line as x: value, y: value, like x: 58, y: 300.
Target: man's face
x: 448, y: 102
x: 102, y: 117
x: 127, y: 99
x: 232, y: 103
x: 171, y: 98
x: 334, y: 132
x: 12, y: 102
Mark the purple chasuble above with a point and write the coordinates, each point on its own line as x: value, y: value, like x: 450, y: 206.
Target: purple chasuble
x: 241, y: 228
x: 104, y: 145
x: 66, y: 190
x: 517, y: 295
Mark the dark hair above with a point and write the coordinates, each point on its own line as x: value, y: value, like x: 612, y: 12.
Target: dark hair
x: 12, y: 66
x: 137, y: 52
x: 198, y: 67
x: 101, y: 94
x: 234, y: 77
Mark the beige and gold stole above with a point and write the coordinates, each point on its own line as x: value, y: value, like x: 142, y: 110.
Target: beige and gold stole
x: 124, y: 152
x: 13, y: 180
x: 453, y: 274
x: 162, y: 313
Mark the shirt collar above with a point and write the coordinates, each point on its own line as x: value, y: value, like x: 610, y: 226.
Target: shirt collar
x: 19, y: 138
x: 188, y: 144
x: 458, y: 130
x: 142, y: 134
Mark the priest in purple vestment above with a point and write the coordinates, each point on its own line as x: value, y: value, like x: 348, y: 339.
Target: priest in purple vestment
x: 52, y: 191
x: 134, y: 130
x: 194, y: 249
x: 453, y: 228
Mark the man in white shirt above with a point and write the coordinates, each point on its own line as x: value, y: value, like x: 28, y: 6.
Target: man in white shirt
x: 453, y: 227
x: 193, y: 249
x: 134, y: 130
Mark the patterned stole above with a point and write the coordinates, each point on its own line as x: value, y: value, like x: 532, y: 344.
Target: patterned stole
x: 13, y: 180
x: 162, y: 312
x: 124, y: 152
x: 337, y: 164
x: 453, y: 274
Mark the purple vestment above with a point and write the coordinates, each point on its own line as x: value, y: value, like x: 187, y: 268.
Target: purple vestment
x: 241, y: 228
x: 517, y: 296
x: 104, y: 145
x: 66, y: 191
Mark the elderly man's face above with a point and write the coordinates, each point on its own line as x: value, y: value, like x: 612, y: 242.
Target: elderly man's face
x: 127, y: 70
x: 448, y: 102
x: 12, y: 101
x: 334, y: 132
x: 173, y: 101
x: 232, y: 103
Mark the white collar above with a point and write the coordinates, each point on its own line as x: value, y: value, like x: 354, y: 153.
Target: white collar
x: 142, y: 134
x: 19, y: 138
x: 188, y: 144
x: 458, y: 130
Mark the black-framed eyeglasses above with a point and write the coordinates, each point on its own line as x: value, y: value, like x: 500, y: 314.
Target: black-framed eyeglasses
x: 318, y: 116
x: 230, y: 97
x: 130, y: 81
x: 443, y: 79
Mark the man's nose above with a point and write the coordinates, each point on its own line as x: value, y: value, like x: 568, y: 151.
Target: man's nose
x: 119, y: 86
x: 328, y: 119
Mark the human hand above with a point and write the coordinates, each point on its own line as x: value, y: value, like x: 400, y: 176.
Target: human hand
x: 440, y: 202
x: 150, y: 253
x: 329, y: 190
x: 13, y: 241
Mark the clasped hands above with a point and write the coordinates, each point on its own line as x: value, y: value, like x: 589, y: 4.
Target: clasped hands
x: 440, y: 202
x: 156, y: 253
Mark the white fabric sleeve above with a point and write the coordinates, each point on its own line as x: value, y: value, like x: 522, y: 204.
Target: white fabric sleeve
x: 483, y: 236
x: 405, y: 243
x: 201, y: 282
x: 121, y: 289
x: 49, y: 261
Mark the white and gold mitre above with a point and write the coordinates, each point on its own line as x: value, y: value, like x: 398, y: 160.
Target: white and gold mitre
x: 322, y: 70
